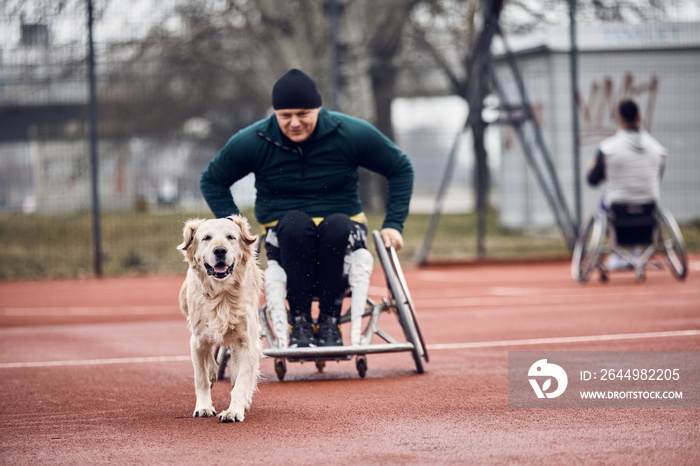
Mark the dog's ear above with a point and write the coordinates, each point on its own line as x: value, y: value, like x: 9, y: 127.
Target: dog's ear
x: 188, y: 234
x: 246, y: 235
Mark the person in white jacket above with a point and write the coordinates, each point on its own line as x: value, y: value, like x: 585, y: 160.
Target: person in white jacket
x: 631, y: 163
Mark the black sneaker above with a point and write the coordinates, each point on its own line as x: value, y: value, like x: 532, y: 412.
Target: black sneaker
x: 329, y: 331
x: 301, y: 334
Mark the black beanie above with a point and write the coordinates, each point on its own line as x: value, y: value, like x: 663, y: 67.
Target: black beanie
x: 295, y: 90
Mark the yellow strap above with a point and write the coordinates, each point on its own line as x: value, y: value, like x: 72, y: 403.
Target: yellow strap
x: 359, y: 218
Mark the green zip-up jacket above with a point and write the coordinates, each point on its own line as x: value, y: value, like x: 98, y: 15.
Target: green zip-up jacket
x: 319, y: 177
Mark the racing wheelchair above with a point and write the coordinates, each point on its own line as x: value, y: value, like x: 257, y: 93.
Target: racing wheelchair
x: 635, y: 233
x: 362, y: 315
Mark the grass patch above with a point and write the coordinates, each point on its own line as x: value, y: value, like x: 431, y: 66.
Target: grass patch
x: 52, y: 246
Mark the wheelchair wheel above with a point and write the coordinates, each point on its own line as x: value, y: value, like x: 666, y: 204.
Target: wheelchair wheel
x: 409, y: 301
x: 222, y: 357
x: 280, y: 368
x: 361, y: 365
x: 588, y: 247
x: 671, y: 244
x: 406, y: 318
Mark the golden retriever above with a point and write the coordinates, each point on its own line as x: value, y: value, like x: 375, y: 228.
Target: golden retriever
x: 220, y: 298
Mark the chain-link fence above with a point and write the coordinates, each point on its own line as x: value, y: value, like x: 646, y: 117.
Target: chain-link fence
x: 656, y: 64
x: 163, y: 112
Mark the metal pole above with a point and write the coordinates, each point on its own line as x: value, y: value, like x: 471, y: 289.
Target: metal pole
x: 94, y: 168
x: 573, y: 55
x: 335, y: 56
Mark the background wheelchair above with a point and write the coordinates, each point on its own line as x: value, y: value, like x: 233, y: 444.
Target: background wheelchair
x: 636, y: 233
x: 398, y: 302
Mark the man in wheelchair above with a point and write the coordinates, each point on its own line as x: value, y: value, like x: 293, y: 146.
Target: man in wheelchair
x: 306, y: 163
x: 631, y: 163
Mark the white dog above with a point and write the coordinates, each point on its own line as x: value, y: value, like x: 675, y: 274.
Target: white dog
x: 220, y: 299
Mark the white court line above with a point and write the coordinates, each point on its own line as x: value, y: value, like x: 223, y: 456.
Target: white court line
x: 96, y: 362
x: 548, y: 341
x: 86, y: 311
x: 482, y: 344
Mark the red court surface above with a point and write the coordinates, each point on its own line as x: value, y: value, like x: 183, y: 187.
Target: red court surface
x: 98, y: 372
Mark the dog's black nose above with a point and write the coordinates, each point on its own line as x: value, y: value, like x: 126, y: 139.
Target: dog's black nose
x: 219, y: 252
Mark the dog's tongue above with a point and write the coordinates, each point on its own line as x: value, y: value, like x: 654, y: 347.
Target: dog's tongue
x: 220, y: 268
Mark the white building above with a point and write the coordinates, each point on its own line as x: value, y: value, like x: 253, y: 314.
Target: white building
x: 658, y: 65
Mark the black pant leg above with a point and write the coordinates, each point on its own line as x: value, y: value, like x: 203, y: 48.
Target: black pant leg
x: 338, y: 236
x: 296, y: 236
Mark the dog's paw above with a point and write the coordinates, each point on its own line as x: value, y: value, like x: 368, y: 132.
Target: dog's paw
x: 231, y: 415
x: 204, y: 412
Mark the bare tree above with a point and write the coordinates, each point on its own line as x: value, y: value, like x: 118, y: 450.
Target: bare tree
x: 447, y: 32
x: 222, y: 60
x: 217, y: 60
x: 375, y: 34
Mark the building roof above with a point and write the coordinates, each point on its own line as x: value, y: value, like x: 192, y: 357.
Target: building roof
x: 606, y: 37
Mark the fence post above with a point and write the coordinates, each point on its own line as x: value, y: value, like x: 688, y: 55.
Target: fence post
x: 94, y: 166
x: 575, y: 123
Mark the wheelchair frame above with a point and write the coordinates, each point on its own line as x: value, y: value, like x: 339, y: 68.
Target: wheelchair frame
x: 398, y: 300
x: 597, y: 239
